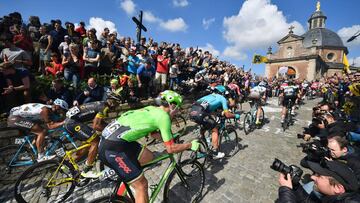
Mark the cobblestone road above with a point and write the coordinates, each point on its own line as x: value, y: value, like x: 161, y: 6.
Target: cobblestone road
x: 245, y: 177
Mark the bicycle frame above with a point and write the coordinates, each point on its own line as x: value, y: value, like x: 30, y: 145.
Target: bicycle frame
x: 28, y: 140
x: 68, y: 156
x: 173, y: 165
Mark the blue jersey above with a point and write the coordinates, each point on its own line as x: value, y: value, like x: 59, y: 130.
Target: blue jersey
x: 212, y: 102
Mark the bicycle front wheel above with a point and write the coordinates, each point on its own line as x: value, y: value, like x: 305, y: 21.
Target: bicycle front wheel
x: 178, y: 125
x: 185, y: 183
x: 248, y: 122
x: 14, y: 160
x: 229, y: 141
x: 47, y: 181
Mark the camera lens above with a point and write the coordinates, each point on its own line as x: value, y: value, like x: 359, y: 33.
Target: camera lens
x: 279, y: 166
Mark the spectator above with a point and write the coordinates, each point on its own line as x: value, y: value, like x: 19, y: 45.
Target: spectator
x: 12, y: 55
x: 58, y: 90
x: 107, y: 59
x: 162, y: 69
x: 81, y: 29
x: 92, y: 92
x: 64, y: 46
x: 145, y: 75
x: 45, y: 44
x: 56, y: 69
x: 174, y: 71
x: 17, y: 91
x: 23, y: 41
x: 91, y: 36
x: 73, y: 65
x: 104, y: 37
x: 91, y: 58
x: 74, y: 36
x: 58, y: 35
x: 133, y: 62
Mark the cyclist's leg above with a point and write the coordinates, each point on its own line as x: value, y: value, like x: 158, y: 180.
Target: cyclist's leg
x: 215, y: 138
x: 41, y: 133
x: 283, y: 111
x: 93, y: 151
x: 258, y: 112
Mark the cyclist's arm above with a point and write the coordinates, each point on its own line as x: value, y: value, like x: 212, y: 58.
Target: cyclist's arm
x: 98, y: 120
x: 45, y: 115
x: 171, y: 146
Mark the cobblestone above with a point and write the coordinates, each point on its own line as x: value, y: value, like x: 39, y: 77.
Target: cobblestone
x: 245, y: 177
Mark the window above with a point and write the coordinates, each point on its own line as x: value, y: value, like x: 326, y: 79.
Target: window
x: 330, y: 56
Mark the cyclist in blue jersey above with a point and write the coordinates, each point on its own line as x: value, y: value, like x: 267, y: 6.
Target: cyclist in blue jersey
x: 204, y: 112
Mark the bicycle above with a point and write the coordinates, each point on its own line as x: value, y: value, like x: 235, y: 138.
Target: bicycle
x: 228, y: 143
x: 188, y: 176
x: 57, y: 173
x: 23, y: 153
x: 288, y: 116
x: 250, y: 118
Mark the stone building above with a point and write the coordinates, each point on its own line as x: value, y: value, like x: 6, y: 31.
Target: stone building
x: 317, y: 53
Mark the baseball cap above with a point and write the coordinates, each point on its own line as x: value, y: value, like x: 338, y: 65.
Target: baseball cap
x: 338, y: 170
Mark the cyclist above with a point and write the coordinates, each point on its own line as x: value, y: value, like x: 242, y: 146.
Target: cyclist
x: 30, y: 117
x: 258, y: 96
x: 289, y: 93
x: 74, y: 124
x: 204, y: 111
x: 120, y: 150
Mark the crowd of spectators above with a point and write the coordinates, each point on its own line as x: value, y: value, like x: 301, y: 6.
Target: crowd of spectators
x: 70, y: 55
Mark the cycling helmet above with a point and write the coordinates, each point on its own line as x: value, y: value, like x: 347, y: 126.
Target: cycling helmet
x: 262, y: 84
x: 169, y: 97
x: 220, y: 89
x: 63, y: 104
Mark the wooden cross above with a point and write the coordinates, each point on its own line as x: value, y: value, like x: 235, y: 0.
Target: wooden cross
x: 139, y: 26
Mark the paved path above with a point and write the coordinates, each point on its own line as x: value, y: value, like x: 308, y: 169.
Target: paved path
x: 245, y: 177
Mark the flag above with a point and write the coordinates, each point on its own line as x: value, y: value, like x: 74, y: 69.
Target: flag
x: 257, y: 59
x: 346, y: 64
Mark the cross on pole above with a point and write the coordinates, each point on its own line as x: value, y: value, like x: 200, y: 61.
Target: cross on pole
x: 139, y: 26
x: 291, y: 29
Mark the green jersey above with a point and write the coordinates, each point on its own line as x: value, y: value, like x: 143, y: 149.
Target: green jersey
x: 144, y: 121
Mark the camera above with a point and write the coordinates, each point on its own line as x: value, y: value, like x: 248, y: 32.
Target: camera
x: 294, y: 171
x: 315, y: 151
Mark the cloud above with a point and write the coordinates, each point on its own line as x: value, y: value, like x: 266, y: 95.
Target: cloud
x: 209, y: 47
x: 346, y: 32
x: 128, y: 6
x: 99, y: 24
x: 174, y: 25
x: 257, y: 25
x: 206, y: 23
x: 180, y: 3
x: 150, y: 17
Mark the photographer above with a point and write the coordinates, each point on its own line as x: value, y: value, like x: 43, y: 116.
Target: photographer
x: 341, y: 150
x: 334, y: 180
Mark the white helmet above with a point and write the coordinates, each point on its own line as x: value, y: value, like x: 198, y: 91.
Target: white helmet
x: 61, y: 103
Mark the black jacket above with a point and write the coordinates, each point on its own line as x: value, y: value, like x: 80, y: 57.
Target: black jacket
x: 287, y: 195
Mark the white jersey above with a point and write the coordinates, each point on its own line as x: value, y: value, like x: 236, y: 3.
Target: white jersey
x: 290, y: 90
x: 30, y: 111
x: 259, y: 89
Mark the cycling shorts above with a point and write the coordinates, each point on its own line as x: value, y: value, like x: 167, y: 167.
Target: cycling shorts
x: 78, y: 129
x: 200, y: 116
x: 122, y: 156
x: 20, y: 123
x: 286, y: 101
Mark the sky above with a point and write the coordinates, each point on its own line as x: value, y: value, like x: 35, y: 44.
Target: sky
x: 233, y: 30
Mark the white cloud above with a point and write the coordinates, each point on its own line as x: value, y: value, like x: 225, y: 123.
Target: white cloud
x: 128, y: 6
x: 209, y: 47
x: 174, y: 25
x: 346, y: 32
x: 150, y: 17
x: 99, y: 24
x: 257, y: 25
x: 180, y: 3
x: 207, y: 22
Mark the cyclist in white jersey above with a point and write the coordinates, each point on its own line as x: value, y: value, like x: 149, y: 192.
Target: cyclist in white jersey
x: 30, y: 117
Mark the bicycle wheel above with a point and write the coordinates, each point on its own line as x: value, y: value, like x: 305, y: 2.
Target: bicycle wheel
x: 178, y: 125
x: 248, y: 120
x: 32, y: 185
x: 185, y: 183
x: 201, y: 155
x: 111, y: 199
x: 14, y: 160
x: 229, y: 141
